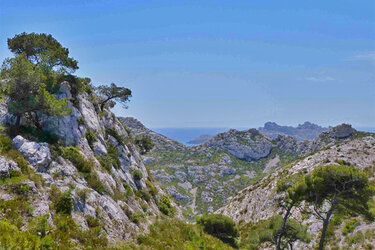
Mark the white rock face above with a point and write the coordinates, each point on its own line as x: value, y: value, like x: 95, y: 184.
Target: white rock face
x: 38, y: 154
x: 6, y: 166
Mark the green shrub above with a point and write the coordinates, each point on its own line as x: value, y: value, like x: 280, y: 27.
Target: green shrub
x: 14, y: 210
x: 94, y: 182
x: 128, y: 188
x: 120, y: 139
x: 165, y: 206
x: 5, y: 143
x: 92, y: 221
x: 13, y: 238
x: 152, y: 188
x: 350, y: 225
x: 22, y: 189
x: 105, y: 161
x: 144, y: 195
x: 39, y: 225
x: 137, y: 175
x: 74, y: 156
x: 64, y: 204
x: 176, y: 234
x: 91, y: 138
x: 219, y: 226
x: 358, y: 237
x: 144, y: 143
x: 114, y: 155
x: 22, y: 163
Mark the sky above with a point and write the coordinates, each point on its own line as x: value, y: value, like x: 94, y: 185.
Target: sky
x: 217, y: 63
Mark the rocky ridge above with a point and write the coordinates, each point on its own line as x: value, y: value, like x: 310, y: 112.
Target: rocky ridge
x: 124, y: 203
x: 258, y: 201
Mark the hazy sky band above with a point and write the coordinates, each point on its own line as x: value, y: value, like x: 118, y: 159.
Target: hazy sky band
x: 218, y: 63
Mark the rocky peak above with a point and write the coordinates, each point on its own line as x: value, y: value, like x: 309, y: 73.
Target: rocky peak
x: 308, y: 125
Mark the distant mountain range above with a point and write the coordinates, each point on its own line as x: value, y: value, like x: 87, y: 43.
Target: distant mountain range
x: 305, y: 131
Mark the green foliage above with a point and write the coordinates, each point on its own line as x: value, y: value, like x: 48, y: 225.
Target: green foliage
x: 343, y: 188
x: 42, y: 49
x: 14, y: 210
x: 219, y: 226
x: 39, y: 225
x: 25, y: 87
x: 128, y: 188
x: 176, y: 234
x: 92, y: 221
x: 144, y: 143
x: 114, y: 156
x: 152, y: 188
x: 94, y: 182
x: 13, y: 238
x: 5, y: 143
x: 113, y: 133
x: 358, y: 237
x: 254, y: 234
x: 137, y: 174
x: 144, y: 195
x: 91, y: 138
x: 350, y: 225
x: 64, y: 204
x: 72, y: 154
x: 68, y: 235
x: 165, y: 206
x: 112, y: 93
x: 33, y: 134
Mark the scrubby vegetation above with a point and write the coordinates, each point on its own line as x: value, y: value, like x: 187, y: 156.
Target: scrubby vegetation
x: 219, y: 226
x: 176, y: 234
x: 165, y: 206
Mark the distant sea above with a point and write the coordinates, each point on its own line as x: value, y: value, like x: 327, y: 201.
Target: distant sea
x: 184, y: 135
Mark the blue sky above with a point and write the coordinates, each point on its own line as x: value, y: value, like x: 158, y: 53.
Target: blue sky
x: 218, y: 63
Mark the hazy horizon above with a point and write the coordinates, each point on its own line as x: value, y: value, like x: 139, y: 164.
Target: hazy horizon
x: 218, y: 63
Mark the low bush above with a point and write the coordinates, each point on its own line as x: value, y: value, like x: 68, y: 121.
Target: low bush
x: 144, y: 143
x: 64, y: 204
x: 120, y: 139
x: 91, y: 138
x: 165, y: 206
x: 137, y: 174
x: 144, y: 195
x: 94, y: 182
x: 92, y: 221
x: 176, y: 234
x: 5, y: 143
x: 219, y: 226
x: 72, y: 154
x: 350, y: 225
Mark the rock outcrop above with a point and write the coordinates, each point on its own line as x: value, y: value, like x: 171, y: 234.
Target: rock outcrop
x: 259, y: 201
x: 114, y: 185
x: 305, y: 131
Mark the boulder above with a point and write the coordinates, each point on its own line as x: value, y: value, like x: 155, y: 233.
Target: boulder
x: 38, y: 154
x: 6, y: 166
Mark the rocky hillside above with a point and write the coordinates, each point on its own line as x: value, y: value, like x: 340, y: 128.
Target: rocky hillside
x: 136, y: 128
x: 258, y: 202
x: 305, y: 131
x: 93, y: 164
x: 203, y: 178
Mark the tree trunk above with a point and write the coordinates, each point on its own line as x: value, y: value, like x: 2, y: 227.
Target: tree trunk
x: 18, y: 120
x: 325, y: 226
x: 283, y: 227
x: 36, y: 121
